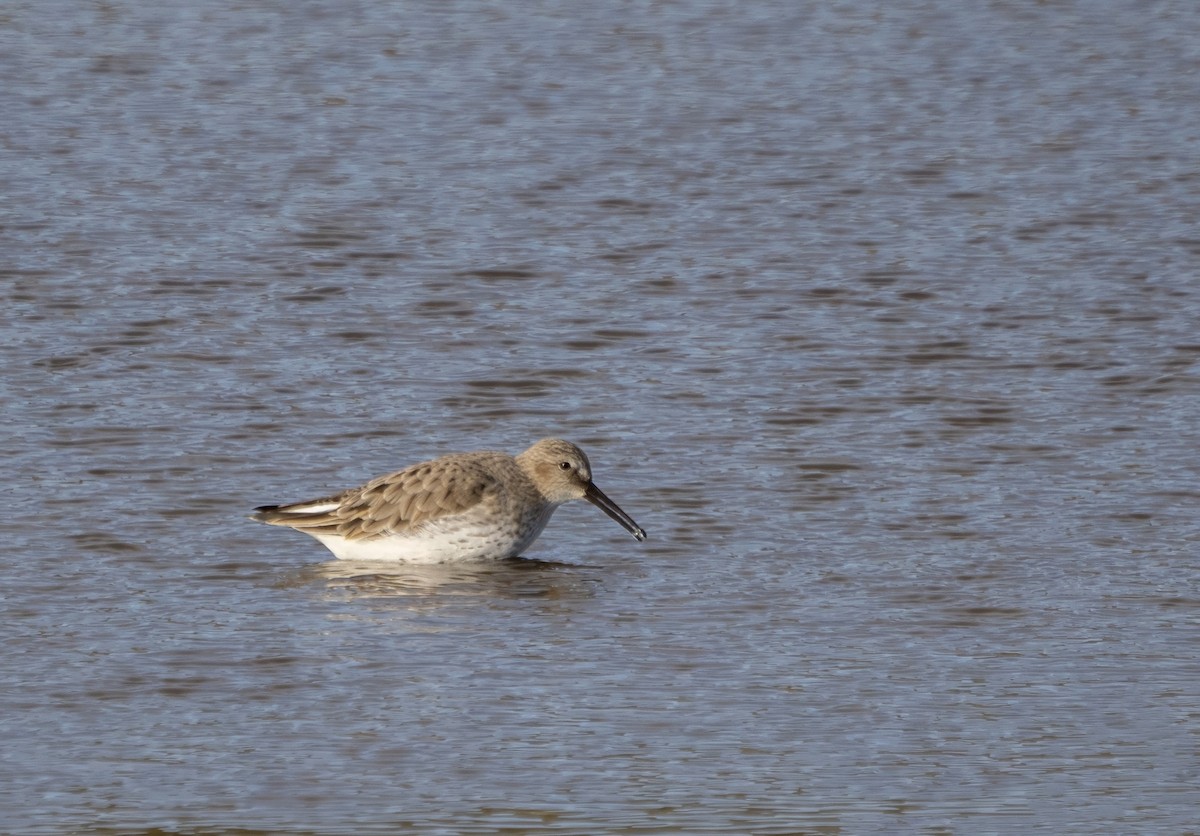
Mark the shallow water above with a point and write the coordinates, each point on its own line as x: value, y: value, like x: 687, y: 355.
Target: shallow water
x: 881, y: 321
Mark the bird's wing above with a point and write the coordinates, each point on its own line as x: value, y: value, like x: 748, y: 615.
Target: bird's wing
x: 393, y: 504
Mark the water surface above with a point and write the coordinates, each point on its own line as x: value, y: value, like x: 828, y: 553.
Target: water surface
x: 881, y: 320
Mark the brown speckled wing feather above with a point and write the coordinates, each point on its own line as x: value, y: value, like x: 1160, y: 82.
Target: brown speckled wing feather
x: 395, y: 503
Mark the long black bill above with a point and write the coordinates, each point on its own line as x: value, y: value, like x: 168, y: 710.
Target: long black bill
x: 596, y: 496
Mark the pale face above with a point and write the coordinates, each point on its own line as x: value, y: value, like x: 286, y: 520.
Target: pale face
x: 562, y: 473
x: 561, y: 470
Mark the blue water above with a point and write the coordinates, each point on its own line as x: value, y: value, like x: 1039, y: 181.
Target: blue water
x: 881, y: 320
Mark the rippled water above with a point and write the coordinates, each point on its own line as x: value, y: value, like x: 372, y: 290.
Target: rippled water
x: 882, y: 320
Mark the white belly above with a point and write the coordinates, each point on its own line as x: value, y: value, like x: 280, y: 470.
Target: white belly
x: 444, y: 541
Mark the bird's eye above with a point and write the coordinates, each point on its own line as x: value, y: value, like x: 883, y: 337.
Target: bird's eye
x: 564, y: 465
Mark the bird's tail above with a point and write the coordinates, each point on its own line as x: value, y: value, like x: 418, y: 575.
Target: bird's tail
x: 313, y: 514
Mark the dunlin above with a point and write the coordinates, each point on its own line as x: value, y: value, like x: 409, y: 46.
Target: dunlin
x: 465, y: 506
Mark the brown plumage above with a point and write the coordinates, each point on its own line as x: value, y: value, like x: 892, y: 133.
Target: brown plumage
x: 461, y: 506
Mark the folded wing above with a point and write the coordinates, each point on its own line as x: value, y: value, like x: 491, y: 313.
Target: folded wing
x: 393, y: 504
